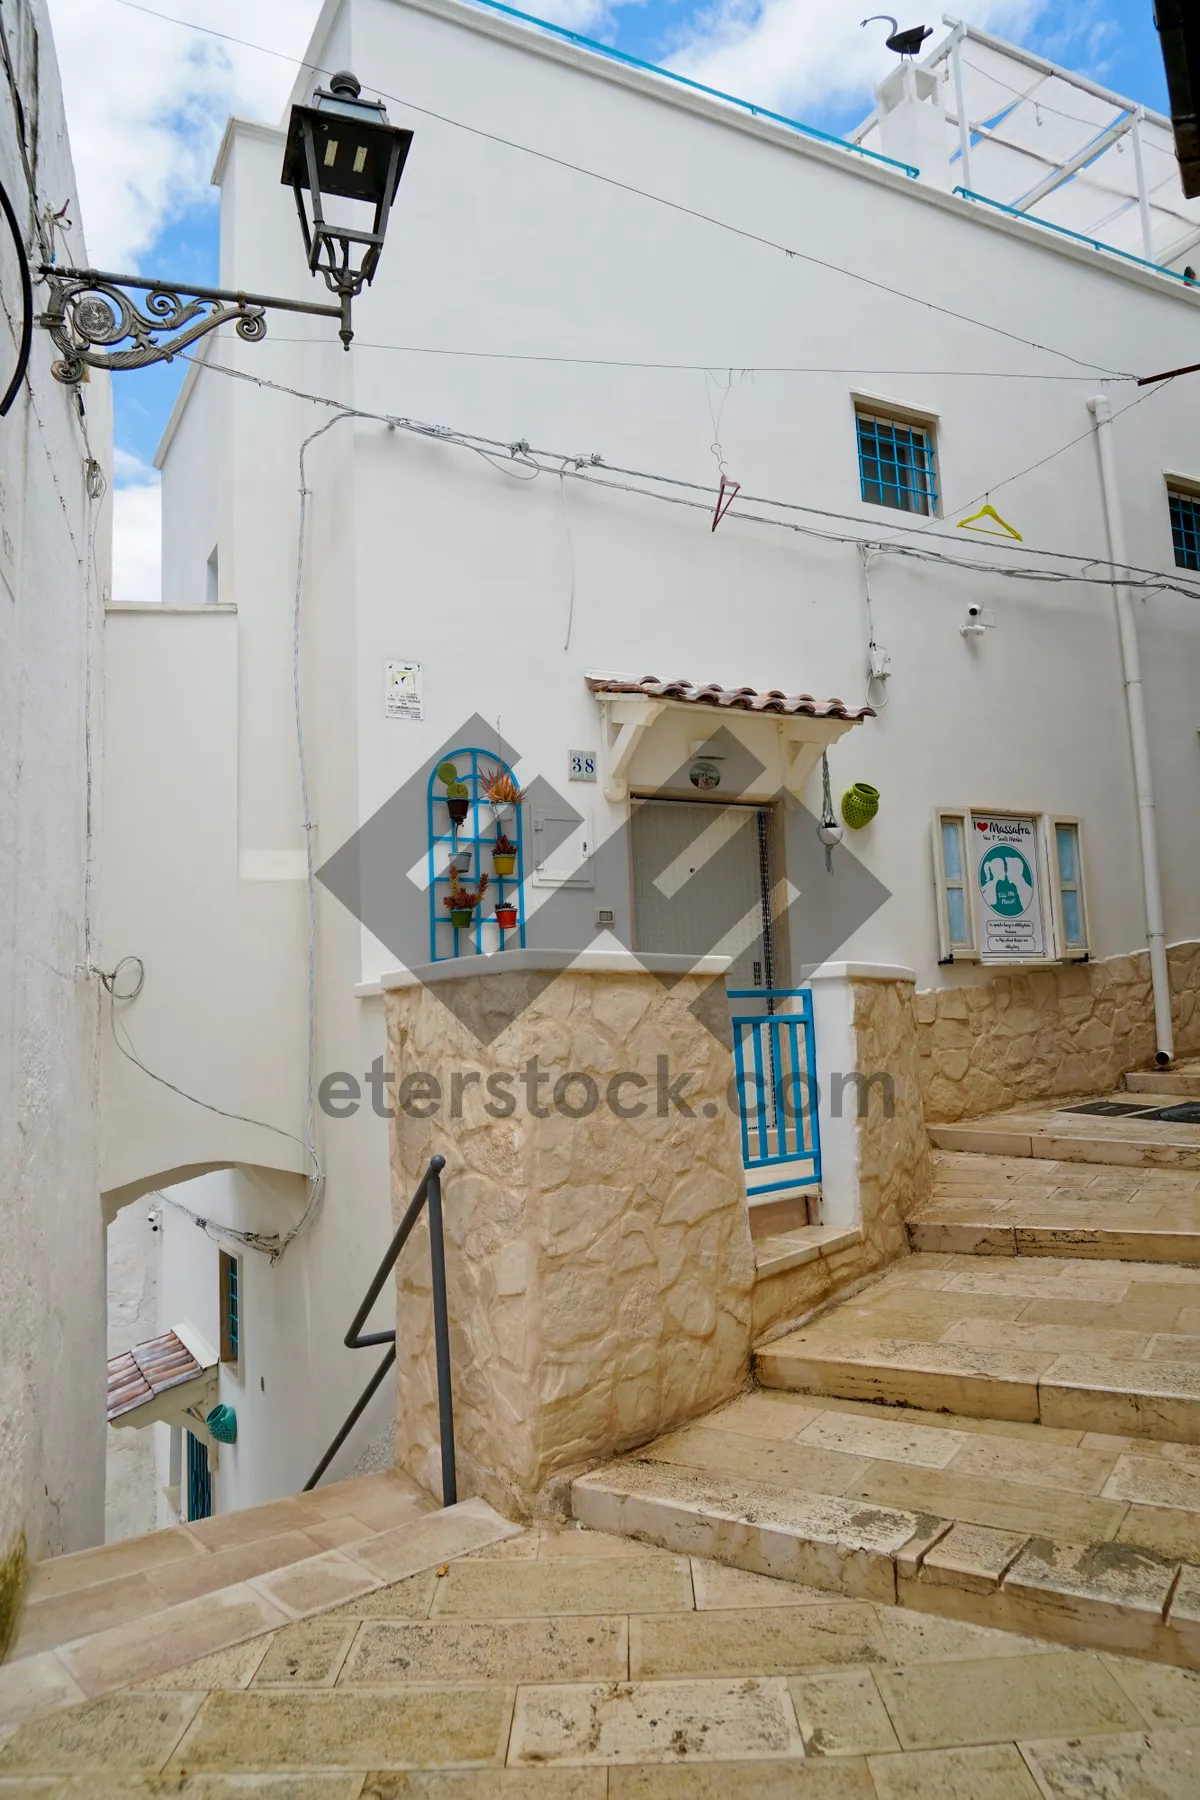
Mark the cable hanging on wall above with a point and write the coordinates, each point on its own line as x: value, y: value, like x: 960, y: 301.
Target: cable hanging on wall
x: 272, y: 1244
x: 26, y: 338
x: 594, y: 471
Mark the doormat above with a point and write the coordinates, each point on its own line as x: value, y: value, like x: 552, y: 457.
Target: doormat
x: 1186, y: 1113
x: 1113, y: 1109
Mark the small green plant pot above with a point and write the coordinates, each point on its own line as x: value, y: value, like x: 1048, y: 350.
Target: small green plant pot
x: 859, y: 805
x: 222, y: 1422
x: 503, y: 865
x: 458, y: 810
x: 460, y: 918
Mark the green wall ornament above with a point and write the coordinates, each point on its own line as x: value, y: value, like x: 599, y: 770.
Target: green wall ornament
x: 860, y: 804
x: 222, y: 1422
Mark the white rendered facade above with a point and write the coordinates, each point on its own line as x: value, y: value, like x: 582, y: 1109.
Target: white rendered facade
x: 54, y: 571
x: 419, y: 550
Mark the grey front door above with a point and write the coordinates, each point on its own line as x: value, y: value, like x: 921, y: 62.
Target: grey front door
x: 701, y: 883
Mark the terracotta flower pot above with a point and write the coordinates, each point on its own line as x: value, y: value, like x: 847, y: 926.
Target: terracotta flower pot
x: 460, y: 918
x: 506, y: 917
x: 503, y: 865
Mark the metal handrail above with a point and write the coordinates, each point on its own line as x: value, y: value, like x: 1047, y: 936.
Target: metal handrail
x: 430, y: 1190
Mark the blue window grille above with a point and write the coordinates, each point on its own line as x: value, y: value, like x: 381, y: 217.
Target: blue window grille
x: 1185, y: 528
x: 477, y: 833
x: 896, y: 464
x: 231, y: 1308
x: 775, y: 1068
x: 199, y: 1480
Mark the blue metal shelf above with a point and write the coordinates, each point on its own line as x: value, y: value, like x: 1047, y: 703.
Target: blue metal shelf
x: 477, y: 833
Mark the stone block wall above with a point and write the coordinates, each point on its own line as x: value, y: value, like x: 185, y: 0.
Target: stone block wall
x: 894, y: 1170
x: 997, y: 1040
x: 600, y: 1269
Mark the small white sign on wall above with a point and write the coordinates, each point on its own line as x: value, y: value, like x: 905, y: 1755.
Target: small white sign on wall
x: 581, y: 765
x: 1005, y: 860
x: 403, y: 691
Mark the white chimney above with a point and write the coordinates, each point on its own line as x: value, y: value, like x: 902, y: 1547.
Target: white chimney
x: 912, y: 122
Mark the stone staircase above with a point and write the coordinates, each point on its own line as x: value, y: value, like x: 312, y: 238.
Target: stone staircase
x: 1003, y: 1428
x: 102, y: 1619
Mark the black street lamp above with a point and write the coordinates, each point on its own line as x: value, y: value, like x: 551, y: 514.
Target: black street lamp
x: 343, y: 147
x: 339, y: 147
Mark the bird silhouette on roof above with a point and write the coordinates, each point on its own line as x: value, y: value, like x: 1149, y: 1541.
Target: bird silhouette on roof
x: 904, y: 43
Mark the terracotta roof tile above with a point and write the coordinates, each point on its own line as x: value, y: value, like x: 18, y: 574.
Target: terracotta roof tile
x: 743, y: 699
x: 147, y: 1370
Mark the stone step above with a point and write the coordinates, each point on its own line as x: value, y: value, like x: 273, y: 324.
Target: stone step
x: 69, y: 1596
x: 1102, y: 1394
x: 1110, y: 1214
x: 1092, y: 1345
x: 1180, y: 1082
x: 1101, y: 1596
x: 773, y: 1214
x: 798, y: 1270
x: 1061, y: 1134
x: 144, y: 1631
x: 1015, y: 1526
x: 1029, y: 1206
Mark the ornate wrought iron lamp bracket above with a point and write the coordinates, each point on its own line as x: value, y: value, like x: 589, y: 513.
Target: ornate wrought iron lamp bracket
x: 88, y: 315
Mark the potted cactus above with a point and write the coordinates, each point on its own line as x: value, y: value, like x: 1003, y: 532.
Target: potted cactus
x: 500, y: 791
x: 461, y: 902
x: 504, y: 855
x: 458, y: 794
x: 506, y: 916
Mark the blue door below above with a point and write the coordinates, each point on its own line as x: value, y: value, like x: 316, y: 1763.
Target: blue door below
x: 199, y: 1480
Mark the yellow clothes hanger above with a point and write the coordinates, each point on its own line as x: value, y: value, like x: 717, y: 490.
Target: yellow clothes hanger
x: 989, y: 512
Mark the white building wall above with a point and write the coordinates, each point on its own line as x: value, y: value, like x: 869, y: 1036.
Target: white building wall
x: 129, y: 1471
x: 417, y: 549
x: 54, y: 568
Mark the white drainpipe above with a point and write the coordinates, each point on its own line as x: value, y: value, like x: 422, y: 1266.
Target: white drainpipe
x: 1139, y: 743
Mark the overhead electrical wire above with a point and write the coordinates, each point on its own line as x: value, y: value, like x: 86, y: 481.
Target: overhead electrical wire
x: 627, y: 187
x: 1082, y: 437
x: 734, y: 363
x: 593, y: 471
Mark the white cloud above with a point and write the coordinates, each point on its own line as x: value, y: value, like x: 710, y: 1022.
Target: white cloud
x: 147, y: 101
x: 137, y: 530
x: 589, y: 17
x: 791, y: 54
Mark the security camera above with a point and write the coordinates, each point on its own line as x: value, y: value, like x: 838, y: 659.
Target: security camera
x: 979, y: 619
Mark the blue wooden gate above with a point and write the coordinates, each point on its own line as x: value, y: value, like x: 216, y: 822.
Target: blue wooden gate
x: 775, y: 1067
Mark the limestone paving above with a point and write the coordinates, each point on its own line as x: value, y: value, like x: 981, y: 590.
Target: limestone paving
x: 485, y: 1679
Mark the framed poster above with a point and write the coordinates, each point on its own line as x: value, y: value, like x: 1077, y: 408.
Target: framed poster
x: 1006, y: 864
x: 403, y: 691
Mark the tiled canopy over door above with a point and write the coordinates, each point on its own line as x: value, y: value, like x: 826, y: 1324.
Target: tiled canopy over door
x: 701, y: 884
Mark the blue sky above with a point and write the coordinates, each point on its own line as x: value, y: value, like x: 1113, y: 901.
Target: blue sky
x: 147, y: 98
x: 1115, y: 43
